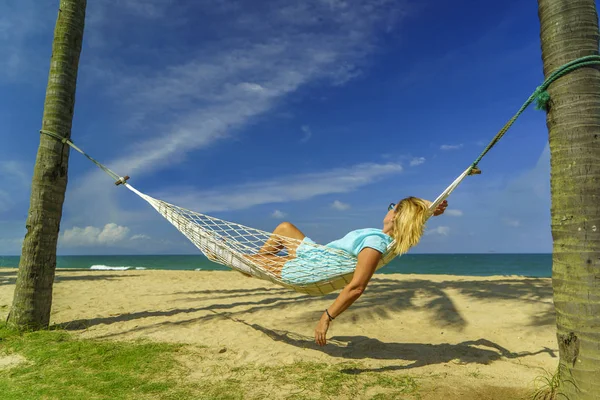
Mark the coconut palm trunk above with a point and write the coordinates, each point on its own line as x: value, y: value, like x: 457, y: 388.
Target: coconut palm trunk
x: 33, y: 293
x: 569, y: 30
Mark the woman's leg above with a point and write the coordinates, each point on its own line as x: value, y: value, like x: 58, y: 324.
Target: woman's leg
x: 278, y: 241
x: 287, y: 236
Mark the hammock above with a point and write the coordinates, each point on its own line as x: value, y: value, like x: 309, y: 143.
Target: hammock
x: 236, y: 246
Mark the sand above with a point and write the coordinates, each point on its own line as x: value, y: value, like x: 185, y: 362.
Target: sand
x: 475, y: 332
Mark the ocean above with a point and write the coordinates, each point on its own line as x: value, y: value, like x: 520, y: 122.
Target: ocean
x: 528, y: 265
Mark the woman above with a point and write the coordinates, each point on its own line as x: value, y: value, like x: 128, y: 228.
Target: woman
x: 404, y: 223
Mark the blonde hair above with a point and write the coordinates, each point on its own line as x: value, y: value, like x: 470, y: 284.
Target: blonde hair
x: 410, y: 217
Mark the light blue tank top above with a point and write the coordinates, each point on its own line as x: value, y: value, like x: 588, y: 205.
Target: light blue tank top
x: 357, y: 240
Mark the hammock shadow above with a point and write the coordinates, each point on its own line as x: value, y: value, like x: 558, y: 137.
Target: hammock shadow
x: 383, y: 298
x: 271, y: 302
x: 227, y: 293
x: 361, y: 347
x: 266, y: 290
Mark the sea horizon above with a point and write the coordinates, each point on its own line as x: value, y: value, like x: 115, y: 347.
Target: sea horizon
x: 465, y: 264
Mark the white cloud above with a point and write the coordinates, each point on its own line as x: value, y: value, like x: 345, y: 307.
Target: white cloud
x: 338, y: 205
x: 281, y: 190
x: 140, y: 237
x: 307, y: 134
x: 453, y: 213
x: 278, y: 214
x: 440, y: 230
x: 93, y: 236
x: 15, y: 170
x: 417, y: 161
x: 451, y: 146
x: 265, y: 54
x: 512, y: 222
x: 252, y: 87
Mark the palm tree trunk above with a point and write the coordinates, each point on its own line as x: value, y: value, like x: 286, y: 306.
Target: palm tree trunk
x: 569, y: 30
x: 33, y: 293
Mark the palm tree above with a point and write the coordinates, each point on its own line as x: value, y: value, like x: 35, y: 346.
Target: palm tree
x: 33, y: 293
x: 569, y: 30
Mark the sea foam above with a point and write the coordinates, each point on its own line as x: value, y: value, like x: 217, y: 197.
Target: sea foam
x: 109, y: 268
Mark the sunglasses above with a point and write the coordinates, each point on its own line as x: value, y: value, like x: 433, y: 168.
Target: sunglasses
x: 391, y: 206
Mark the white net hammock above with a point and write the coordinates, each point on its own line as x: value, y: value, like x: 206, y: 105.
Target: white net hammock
x: 237, y: 246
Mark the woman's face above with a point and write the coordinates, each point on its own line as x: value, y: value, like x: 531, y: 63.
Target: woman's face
x: 388, y: 220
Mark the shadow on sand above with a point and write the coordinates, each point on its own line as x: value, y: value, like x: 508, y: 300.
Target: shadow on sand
x: 383, y: 298
x: 361, y: 347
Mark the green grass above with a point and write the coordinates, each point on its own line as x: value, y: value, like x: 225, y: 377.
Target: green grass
x: 310, y: 380
x: 57, y: 366
x: 549, y: 385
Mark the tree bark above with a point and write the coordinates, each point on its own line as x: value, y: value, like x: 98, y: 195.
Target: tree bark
x: 32, y: 299
x: 569, y: 30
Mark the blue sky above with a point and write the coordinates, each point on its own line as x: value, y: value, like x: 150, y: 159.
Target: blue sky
x: 319, y: 112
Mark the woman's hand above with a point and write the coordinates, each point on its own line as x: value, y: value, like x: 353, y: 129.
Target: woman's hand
x: 321, y: 330
x: 440, y: 208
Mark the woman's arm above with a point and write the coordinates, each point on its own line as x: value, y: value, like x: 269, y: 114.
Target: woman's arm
x: 368, y: 259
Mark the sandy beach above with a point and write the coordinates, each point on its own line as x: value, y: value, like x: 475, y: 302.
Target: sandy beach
x: 462, y: 337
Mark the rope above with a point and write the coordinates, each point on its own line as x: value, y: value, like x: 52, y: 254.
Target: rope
x: 541, y: 96
x: 66, y: 140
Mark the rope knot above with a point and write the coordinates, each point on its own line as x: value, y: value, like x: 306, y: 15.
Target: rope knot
x: 63, y: 139
x: 542, y: 99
